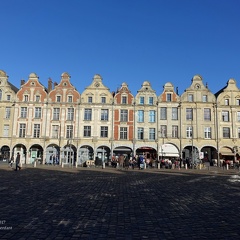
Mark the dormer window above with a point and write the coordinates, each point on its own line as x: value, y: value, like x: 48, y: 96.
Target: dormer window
x: 150, y: 101
x: 226, y: 102
x: 190, y: 97
x: 25, y: 98
x: 169, y: 97
x: 58, y: 99
x: 141, y: 100
x: 8, y: 97
x: 70, y: 98
x: 204, y: 98
x: 103, y: 99
x: 124, y: 100
x: 37, y: 98
x: 89, y: 99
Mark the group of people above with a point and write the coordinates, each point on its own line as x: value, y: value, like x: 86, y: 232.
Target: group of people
x: 125, y: 161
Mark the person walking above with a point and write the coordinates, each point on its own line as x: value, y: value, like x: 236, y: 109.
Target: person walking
x: 18, y: 162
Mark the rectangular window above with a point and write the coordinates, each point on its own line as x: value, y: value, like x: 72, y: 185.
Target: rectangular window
x: 225, y: 116
x: 88, y: 114
x: 239, y: 132
x: 169, y: 97
x: 174, y: 113
x: 8, y: 97
x: 23, y: 112
x: 204, y: 98
x: 104, y: 132
x: 87, y: 131
x: 58, y: 99
x: 69, y: 133
x: 152, y: 116
x: 238, y: 102
x: 56, y: 114
x: 37, y: 98
x: 150, y: 100
x: 226, y: 132
x: 38, y: 112
x: 123, y: 133
x: 238, y: 116
x: 190, y: 97
x: 124, y: 100
x: 36, y: 130
x: 226, y: 102
x: 104, y: 114
x: 89, y: 99
x: 207, y: 114
x: 189, y: 114
x: 140, y: 116
x: 7, y: 112
x: 140, y: 133
x: 55, y: 131
x: 189, y: 132
x: 141, y: 100
x: 163, y: 131
x: 70, y: 99
x: 152, y: 134
x: 25, y: 98
x: 70, y: 114
x: 175, y: 131
x: 103, y: 99
x: 207, y: 132
x: 163, y: 113
x: 6, y: 130
x: 124, y: 115
x: 22, y: 130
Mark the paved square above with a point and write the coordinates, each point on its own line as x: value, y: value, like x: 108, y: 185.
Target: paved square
x: 49, y: 202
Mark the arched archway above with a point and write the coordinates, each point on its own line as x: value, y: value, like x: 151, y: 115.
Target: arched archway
x: 103, y: 153
x: 148, y: 152
x: 168, y: 151
x: 69, y: 154
x: 190, y: 155
x: 5, y: 153
x: 85, y: 153
x: 209, y: 154
x: 22, y: 151
x: 52, y: 154
x: 36, y: 153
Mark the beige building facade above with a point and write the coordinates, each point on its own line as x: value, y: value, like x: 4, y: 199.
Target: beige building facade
x: 58, y: 124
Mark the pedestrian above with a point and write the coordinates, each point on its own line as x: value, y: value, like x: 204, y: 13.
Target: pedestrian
x: 11, y: 161
x: 18, y: 162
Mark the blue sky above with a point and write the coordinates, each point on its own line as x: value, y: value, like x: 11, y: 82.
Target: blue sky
x: 128, y: 41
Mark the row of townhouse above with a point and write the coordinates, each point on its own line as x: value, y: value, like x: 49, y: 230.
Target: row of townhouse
x: 59, y: 123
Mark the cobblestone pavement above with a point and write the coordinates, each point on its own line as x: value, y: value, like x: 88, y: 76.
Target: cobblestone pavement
x: 50, y: 202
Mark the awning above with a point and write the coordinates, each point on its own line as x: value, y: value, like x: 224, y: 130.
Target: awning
x: 227, y: 153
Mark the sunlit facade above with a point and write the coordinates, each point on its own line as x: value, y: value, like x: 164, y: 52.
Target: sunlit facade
x: 58, y: 123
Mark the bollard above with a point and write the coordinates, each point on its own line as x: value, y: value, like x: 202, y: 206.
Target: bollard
x: 227, y: 166
x: 76, y: 164
x: 158, y: 165
x: 62, y: 164
x: 35, y: 163
x: 186, y: 166
x: 103, y: 165
x: 200, y: 166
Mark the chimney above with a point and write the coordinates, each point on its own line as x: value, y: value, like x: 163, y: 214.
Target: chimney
x: 49, y: 85
x: 22, y: 82
x: 55, y: 84
x: 177, y: 90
